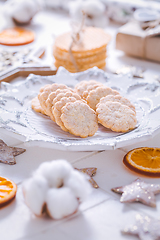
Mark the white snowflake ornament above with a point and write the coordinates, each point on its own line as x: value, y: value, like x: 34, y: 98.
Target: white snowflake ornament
x: 57, y: 188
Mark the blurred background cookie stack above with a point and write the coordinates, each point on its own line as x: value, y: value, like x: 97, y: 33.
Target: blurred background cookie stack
x: 81, y: 55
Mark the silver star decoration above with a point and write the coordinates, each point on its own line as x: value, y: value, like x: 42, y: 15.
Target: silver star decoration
x: 139, y: 191
x: 26, y: 60
x: 10, y: 58
x: 8, y: 154
x: 145, y: 228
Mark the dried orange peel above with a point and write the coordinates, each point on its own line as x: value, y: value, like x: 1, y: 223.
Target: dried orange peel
x: 8, y: 191
x: 16, y: 36
x: 144, y: 160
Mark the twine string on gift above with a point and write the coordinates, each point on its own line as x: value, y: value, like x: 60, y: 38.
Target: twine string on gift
x: 76, y: 39
x: 151, y: 29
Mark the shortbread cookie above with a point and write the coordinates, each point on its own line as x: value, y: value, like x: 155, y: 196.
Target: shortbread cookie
x: 44, y: 92
x: 116, y: 116
x: 42, y: 96
x: 95, y: 95
x: 67, y: 94
x: 117, y: 98
x: 36, y: 105
x: 57, y: 110
x: 82, y: 86
x: 79, y: 119
x: 90, y: 88
x: 42, y: 88
x: 49, y: 101
x: 100, y: 64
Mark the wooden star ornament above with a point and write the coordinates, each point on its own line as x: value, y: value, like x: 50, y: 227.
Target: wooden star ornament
x: 139, y: 191
x: 90, y: 172
x: 13, y: 62
x: 8, y: 154
x: 145, y: 228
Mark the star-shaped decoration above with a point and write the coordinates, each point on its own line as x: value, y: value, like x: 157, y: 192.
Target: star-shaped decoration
x: 90, y: 172
x: 8, y: 154
x: 24, y: 59
x: 145, y: 228
x: 139, y: 191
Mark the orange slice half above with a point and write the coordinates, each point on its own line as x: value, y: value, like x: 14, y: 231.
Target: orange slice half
x: 16, y: 36
x: 144, y: 160
x: 8, y: 191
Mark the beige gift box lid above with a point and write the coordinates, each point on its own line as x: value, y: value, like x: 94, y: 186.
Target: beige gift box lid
x: 137, y: 42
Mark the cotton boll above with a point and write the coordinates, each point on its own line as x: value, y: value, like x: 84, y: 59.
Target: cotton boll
x: 59, y: 172
x: 22, y: 11
x: 75, y: 9
x: 53, y: 3
x: 43, y: 169
x: 95, y: 13
x: 55, y: 172
x: 34, y: 190
x: 100, y: 21
x: 79, y: 184
x: 61, y: 202
x: 57, y: 186
x: 93, y: 8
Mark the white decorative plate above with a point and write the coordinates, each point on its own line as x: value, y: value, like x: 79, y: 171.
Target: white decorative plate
x: 17, y: 117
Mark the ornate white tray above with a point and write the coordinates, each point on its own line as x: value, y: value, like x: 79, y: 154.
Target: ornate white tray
x: 17, y: 117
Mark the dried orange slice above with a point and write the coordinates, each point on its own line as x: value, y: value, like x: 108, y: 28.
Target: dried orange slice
x: 144, y: 160
x: 8, y: 191
x: 16, y: 36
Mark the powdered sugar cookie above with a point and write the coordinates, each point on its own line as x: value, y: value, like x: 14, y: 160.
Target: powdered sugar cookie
x: 90, y: 88
x: 95, y: 95
x: 36, y: 105
x: 82, y: 86
x: 42, y: 88
x: 66, y: 94
x: 49, y: 101
x: 57, y: 110
x: 44, y: 92
x: 79, y: 119
x: 117, y: 98
x: 116, y: 116
x: 42, y: 96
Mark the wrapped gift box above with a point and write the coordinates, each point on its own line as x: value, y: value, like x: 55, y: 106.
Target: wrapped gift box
x: 135, y: 41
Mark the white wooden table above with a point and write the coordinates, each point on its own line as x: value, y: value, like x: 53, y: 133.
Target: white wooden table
x: 101, y: 216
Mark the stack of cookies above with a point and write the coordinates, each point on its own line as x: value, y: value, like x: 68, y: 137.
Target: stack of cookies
x: 90, y: 52
x: 79, y: 110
